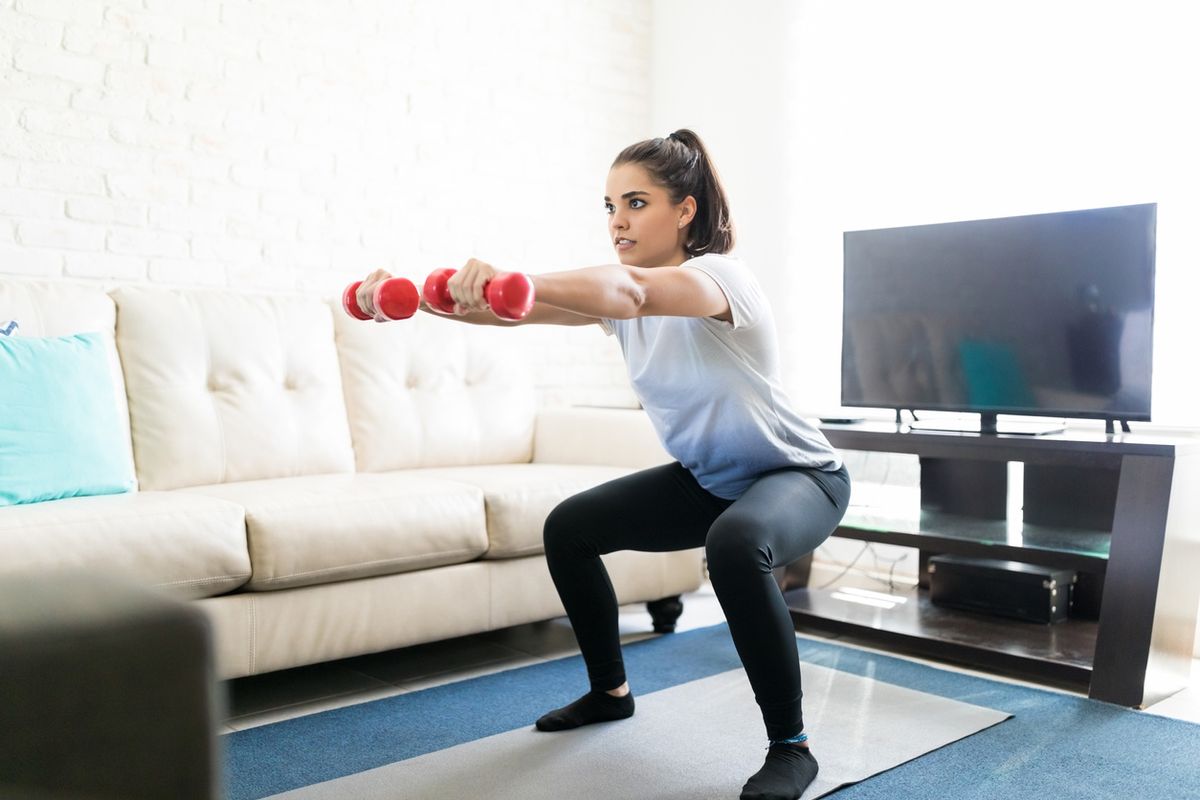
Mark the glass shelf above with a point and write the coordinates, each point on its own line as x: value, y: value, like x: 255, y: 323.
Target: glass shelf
x: 893, y: 515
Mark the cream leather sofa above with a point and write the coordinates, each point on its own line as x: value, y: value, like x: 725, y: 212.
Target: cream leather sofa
x: 323, y: 487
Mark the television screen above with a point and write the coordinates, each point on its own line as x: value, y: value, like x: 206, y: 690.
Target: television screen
x: 1045, y: 315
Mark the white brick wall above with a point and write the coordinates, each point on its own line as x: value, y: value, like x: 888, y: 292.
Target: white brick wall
x: 297, y: 145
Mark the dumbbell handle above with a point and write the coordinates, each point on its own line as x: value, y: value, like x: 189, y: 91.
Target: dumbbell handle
x: 509, y: 294
x: 394, y: 298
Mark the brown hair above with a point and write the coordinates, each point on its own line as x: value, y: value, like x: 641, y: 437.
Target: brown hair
x: 680, y: 164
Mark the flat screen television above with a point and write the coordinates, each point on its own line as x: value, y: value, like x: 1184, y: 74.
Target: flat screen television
x: 1048, y: 315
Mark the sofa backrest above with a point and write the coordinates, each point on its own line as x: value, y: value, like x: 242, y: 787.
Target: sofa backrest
x: 227, y: 386
x: 63, y: 309
x: 223, y: 386
x: 431, y: 392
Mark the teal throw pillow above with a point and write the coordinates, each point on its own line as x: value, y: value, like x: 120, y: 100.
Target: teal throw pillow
x: 60, y: 433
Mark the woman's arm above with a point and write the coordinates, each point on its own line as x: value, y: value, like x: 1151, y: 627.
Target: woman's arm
x: 540, y: 314
x: 618, y: 291
x: 583, y: 296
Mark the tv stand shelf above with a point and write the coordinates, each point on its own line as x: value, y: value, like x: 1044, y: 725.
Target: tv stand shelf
x: 1115, y: 508
x: 1061, y: 653
x: 1079, y: 549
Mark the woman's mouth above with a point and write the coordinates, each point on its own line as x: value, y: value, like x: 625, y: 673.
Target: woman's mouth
x: 624, y: 244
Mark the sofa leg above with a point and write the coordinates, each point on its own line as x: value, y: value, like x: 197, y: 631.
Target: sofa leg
x: 665, y: 613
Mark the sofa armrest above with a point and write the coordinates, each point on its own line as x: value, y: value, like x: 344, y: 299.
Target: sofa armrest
x: 109, y: 690
x: 619, y: 437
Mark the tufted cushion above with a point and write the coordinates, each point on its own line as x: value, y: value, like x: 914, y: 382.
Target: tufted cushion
x: 63, y: 309
x: 230, y: 387
x: 430, y: 392
x: 519, y: 497
x: 328, y: 528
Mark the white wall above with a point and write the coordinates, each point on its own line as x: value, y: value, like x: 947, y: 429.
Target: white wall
x: 296, y: 145
x: 837, y: 115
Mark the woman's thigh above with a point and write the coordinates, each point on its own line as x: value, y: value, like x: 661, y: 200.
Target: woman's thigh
x: 657, y: 510
x: 783, y: 516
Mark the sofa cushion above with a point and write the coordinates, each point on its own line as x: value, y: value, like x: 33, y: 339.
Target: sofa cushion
x: 63, y: 308
x: 230, y: 387
x: 189, y: 545
x: 519, y: 497
x: 326, y: 528
x: 431, y: 392
x: 60, y: 429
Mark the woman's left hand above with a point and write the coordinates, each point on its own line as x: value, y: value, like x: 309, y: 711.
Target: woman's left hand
x: 466, y: 286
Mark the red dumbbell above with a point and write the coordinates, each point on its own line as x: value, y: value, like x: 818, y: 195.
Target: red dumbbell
x: 436, y: 293
x: 509, y: 294
x: 395, y: 298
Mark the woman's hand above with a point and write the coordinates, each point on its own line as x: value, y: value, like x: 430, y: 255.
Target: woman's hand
x: 466, y: 286
x: 365, y: 296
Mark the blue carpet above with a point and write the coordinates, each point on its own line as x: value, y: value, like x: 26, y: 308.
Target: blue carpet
x: 1057, y: 745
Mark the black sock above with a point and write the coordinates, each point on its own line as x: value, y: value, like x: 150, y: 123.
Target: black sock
x: 592, y: 707
x: 788, y: 771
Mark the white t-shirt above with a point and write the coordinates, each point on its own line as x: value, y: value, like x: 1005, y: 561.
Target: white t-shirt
x: 712, y: 388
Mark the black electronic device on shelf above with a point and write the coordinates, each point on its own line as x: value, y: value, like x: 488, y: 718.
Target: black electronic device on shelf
x: 1029, y: 592
x: 1046, y: 315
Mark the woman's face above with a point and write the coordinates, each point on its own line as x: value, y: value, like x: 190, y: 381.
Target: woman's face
x: 645, y: 227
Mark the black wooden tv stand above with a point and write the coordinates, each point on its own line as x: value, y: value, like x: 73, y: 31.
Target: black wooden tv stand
x: 1122, y: 510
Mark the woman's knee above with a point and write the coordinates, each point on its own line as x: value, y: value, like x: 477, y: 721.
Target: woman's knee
x: 558, y: 523
x: 734, y: 543
x: 566, y: 528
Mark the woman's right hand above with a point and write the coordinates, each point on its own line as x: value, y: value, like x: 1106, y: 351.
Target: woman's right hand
x: 466, y: 286
x: 365, y: 296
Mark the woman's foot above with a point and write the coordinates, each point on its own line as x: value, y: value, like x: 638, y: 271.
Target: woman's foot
x: 787, y: 772
x: 595, y: 706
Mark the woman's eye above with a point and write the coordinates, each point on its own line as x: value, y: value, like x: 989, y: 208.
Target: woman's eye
x: 609, y: 206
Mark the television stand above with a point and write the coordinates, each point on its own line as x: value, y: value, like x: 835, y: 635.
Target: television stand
x: 989, y: 424
x: 1120, y: 511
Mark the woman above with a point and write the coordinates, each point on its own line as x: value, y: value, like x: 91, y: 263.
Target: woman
x: 754, y: 483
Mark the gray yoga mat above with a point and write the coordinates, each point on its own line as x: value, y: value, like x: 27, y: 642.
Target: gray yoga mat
x: 694, y: 741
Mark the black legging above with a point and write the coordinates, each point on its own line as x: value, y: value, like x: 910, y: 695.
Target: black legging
x: 783, y: 516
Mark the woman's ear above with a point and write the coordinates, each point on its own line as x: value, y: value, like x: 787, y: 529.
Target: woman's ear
x: 688, y: 210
